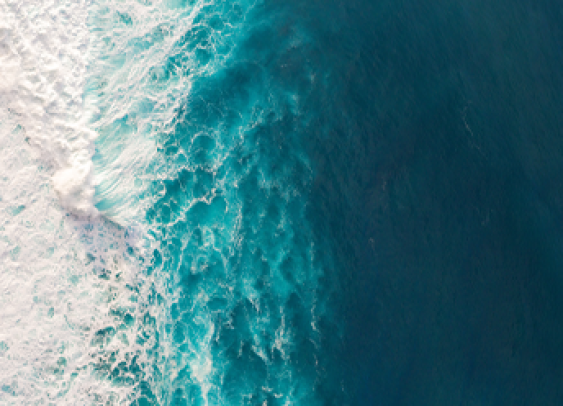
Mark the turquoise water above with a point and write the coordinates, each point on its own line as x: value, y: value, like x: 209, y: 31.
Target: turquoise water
x: 246, y: 285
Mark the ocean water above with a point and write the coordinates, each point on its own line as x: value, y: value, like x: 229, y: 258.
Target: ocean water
x: 211, y: 202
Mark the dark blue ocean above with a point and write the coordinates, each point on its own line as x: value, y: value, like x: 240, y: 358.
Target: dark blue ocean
x: 354, y: 202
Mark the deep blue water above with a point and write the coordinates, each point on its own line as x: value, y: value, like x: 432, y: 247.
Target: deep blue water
x: 368, y: 208
x: 442, y: 180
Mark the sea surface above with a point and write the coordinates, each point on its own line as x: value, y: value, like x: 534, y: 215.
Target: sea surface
x: 265, y: 202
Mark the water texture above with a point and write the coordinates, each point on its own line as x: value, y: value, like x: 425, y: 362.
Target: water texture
x: 280, y: 203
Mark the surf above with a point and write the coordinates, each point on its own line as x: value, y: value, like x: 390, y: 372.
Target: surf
x: 172, y: 163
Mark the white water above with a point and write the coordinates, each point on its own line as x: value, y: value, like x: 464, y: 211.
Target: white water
x: 54, y: 242
x: 43, y: 51
x: 52, y: 302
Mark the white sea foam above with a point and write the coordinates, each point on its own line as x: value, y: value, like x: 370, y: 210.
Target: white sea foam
x: 43, y: 49
x: 51, y: 302
x: 52, y: 299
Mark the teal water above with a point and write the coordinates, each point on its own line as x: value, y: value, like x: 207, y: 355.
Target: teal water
x: 246, y: 271
x: 344, y: 203
x: 245, y: 283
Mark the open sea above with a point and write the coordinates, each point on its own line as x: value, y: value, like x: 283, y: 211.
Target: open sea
x: 281, y: 203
